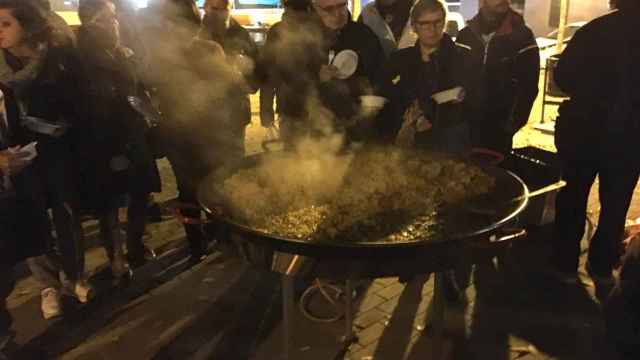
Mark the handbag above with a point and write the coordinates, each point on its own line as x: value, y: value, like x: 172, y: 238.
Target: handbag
x: 145, y: 107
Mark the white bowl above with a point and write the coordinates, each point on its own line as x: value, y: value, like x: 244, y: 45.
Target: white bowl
x: 346, y: 61
x: 454, y: 94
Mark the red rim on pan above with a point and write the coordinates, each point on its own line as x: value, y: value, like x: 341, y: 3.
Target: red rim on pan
x: 497, y: 156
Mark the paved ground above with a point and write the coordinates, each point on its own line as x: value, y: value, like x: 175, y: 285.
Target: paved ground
x: 221, y: 309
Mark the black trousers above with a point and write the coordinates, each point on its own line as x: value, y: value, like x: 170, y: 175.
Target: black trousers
x: 136, y: 223
x: 617, y: 183
x: 190, y: 170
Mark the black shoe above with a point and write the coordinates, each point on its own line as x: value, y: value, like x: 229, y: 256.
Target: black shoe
x: 136, y: 262
x: 195, y: 259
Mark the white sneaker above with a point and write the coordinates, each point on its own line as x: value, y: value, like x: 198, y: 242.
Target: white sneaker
x: 83, y: 291
x: 50, y: 305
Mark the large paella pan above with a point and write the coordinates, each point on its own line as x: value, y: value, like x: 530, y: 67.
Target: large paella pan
x: 422, y: 211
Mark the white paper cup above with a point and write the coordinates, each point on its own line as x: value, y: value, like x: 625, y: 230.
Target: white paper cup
x: 443, y: 97
x: 371, y: 104
x: 373, y: 101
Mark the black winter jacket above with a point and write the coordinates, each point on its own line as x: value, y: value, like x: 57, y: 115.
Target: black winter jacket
x: 509, y: 65
x: 53, y: 95
x: 24, y: 221
x: 407, y: 78
x: 597, y: 70
x: 296, y: 49
x: 290, y: 58
x: 342, y: 96
x: 114, y: 127
x: 238, y: 42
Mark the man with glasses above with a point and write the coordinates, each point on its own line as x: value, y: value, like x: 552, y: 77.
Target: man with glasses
x: 414, y: 78
x: 340, y: 92
x: 504, y: 51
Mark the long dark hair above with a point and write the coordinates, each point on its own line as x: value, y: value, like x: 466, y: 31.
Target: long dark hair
x: 32, y: 19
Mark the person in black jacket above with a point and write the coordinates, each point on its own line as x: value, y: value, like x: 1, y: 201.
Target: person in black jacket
x: 194, y: 80
x: 242, y: 54
x: 40, y: 68
x: 596, y: 131
x: 24, y: 222
x: 340, y: 93
x: 412, y: 77
x: 287, y: 60
x: 121, y: 160
x: 312, y: 96
x: 505, y: 53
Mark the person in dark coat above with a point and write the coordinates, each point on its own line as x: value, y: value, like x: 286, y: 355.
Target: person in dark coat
x: 24, y: 222
x: 340, y: 94
x: 194, y: 79
x: 505, y: 53
x: 289, y: 78
x: 122, y: 162
x: 312, y: 97
x: 596, y: 131
x: 40, y: 71
x: 242, y: 54
x: 413, y: 75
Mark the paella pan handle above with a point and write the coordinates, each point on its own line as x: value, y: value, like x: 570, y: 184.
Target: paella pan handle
x: 507, y: 235
x: 500, y: 239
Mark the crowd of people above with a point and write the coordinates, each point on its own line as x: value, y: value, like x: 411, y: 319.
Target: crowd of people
x: 87, y: 113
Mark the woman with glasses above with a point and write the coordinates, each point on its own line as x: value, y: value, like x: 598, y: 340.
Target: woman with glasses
x: 427, y: 85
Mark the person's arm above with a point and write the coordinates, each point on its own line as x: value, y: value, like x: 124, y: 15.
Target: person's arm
x: 527, y: 75
x: 572, y: 61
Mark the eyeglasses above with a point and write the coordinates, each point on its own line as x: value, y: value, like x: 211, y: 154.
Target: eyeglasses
x: 435, y: 24
x: 333, y: 9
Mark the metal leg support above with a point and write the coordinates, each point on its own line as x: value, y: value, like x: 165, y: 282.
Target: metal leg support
x: 349, y: 335
x: 287, y: 314
x: 438, y: 319
x: 348, y: 311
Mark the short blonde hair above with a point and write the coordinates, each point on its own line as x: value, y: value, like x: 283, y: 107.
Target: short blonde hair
x: 424, y: 6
